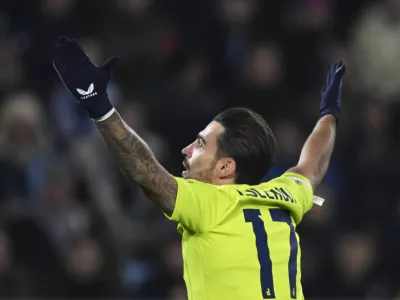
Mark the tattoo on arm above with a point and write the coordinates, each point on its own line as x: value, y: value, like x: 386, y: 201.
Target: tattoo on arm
x: 137, y: 162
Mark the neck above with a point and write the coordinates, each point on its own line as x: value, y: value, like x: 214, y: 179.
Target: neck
x: 223, y: 181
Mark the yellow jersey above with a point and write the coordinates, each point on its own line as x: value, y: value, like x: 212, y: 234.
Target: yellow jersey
x: 239, y: 242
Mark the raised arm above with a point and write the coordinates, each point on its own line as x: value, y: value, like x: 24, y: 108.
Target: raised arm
x: 137, y: 162
x: 88, y: 84
x: 316, y: 153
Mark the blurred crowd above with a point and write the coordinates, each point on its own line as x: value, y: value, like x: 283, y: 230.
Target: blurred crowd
x: 71, y: 226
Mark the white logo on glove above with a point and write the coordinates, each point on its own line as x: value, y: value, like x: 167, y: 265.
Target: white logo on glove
x: 87, y: 94
x: 89, y: 91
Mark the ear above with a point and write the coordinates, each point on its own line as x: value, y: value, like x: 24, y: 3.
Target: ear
x: 227, y: 168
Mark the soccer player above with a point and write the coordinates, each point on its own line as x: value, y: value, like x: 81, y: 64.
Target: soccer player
x: 239, y: 239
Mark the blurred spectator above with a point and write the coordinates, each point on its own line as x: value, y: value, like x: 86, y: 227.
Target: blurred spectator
x: 314, y: 15
x: 24, y: 144
x: 11, y: 67
x: 237, y: 17
x: 264, y: 68
x: 14, y: 282
x: 356, y: 258
x: 84, y: 264
x: 375, y: 49
x: 64, y: 217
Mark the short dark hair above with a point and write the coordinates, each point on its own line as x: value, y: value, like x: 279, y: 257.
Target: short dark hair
x: 248, y: 140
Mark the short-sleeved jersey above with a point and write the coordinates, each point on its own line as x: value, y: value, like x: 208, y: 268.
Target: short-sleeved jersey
x: 239, y: 241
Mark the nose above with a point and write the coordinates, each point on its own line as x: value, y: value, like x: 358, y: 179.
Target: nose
x: 187, y: 152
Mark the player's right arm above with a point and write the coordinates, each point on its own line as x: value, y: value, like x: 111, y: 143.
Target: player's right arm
x: 88, y: 84
x: 316, y: 153
x: 137, y: 162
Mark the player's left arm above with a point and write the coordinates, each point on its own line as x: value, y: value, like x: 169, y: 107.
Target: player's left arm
x: 316, y: 153
x: 88, y: 84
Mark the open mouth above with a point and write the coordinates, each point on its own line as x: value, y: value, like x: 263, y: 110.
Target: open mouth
x: 185, y: 169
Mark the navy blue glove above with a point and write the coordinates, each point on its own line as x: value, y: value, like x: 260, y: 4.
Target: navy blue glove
x: 85, y: 81
x: 332, y: 92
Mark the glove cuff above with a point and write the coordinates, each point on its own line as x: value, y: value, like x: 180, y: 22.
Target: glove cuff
x: 329, y: 111
x: 97, y: 107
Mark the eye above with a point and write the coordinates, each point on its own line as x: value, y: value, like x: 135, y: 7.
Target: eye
x: 200, y: 143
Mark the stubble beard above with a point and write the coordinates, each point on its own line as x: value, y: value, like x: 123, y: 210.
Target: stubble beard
x: 206, y: 175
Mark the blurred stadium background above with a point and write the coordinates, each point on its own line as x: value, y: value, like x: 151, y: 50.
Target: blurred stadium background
x: 71, y: 227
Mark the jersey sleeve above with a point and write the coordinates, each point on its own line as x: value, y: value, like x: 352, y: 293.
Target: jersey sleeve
x: 199, y: 206
x: 300, y: 187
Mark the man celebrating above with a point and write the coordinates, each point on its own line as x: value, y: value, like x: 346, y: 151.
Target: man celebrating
x: 239, y: 236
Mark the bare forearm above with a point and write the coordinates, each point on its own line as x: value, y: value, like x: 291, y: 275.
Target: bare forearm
x: 317, y: 151
x: 319, y: 146
x: 137, y: 162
